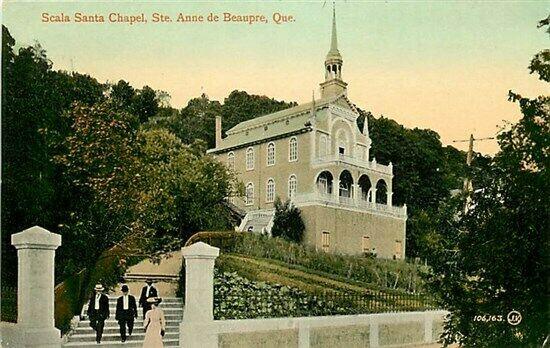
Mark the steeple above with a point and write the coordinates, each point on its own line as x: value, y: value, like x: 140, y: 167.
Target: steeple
x: 333, y: 84
x: 334, y: 53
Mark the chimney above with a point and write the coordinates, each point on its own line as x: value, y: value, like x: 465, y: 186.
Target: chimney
x: 218, y: 131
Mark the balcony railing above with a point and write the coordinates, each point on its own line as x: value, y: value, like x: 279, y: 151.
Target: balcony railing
x: 359, y: 203
x: 358, y: 162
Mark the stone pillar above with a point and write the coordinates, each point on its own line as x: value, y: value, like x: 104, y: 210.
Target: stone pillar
x: 35, y: 287
x: 336, y: 190
x: 373, y: 195
x: 197, y: 328
x: 356, y: 193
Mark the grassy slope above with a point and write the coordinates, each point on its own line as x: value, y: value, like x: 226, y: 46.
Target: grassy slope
x: 274, y: 271
x: 271, y: 271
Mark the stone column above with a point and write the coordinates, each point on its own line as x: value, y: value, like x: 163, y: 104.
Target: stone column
x: 35, y: 287
x: 336, y: 190
x: 197, y: 328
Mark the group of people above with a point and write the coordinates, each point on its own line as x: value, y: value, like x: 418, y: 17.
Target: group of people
x: 126, y: 312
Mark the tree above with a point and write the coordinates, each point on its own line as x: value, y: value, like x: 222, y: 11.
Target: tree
x: 287, y: 222
x: 425, y: 171
x: 493, y: 257
x: 33, y: 99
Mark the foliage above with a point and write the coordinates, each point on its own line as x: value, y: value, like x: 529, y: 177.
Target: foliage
x: 492, y: 258
x: 33, y: 99
x: 287, y: 222
x: 239, y: 298
x: 197, y: 119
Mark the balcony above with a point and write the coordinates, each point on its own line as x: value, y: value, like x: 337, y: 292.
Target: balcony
x: 349, y: 202
x: 356, y: 162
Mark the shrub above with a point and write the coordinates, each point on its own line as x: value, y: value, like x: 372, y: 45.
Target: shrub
x: 236, y: 297
x: 287, y: 222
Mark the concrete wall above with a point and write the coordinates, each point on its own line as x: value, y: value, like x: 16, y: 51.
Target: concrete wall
x: 366, y: 330
x: 347, y: 228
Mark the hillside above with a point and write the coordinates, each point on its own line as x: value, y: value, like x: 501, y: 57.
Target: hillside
x: 347, y: 284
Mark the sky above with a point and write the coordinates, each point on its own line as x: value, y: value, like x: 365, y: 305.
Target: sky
x: 443, y: 65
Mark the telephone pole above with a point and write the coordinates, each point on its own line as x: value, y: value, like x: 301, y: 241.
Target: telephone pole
x: 468, y: 187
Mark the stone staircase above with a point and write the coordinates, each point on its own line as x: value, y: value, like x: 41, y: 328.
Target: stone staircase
x: 258, y: 221
x: 84, y: 336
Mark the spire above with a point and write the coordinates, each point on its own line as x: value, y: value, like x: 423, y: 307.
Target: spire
x: 334, y: 53
x: 333, y: 85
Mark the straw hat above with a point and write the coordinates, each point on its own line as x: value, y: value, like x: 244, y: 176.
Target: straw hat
x: 154, y: 300
x: 99, y: 287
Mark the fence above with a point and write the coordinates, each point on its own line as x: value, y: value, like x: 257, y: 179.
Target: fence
x: 377, y: 301
x: 9, y: 304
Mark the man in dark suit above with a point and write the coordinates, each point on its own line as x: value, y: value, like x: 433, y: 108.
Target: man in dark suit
x: 148, y: 291
x: 98, y: 311
x: 126, y: 312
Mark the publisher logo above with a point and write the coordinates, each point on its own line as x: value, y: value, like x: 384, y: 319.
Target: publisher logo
x: 514, y: 318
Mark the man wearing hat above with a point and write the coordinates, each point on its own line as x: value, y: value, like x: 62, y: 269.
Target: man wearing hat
x: 126, y: 312
x: 148, y: 291
x: 98, y: 311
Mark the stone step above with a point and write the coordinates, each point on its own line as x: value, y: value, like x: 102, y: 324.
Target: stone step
x: 81, y: 330
x: 110, y: 337
x: 119, y: 344
x: 170, y: 300
x: 170, y: 309
x: 111, y: 322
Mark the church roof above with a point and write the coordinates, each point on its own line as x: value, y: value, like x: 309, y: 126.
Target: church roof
x: 279, y: 124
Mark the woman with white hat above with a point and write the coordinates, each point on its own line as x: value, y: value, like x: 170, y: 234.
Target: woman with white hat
x: 154, y: 324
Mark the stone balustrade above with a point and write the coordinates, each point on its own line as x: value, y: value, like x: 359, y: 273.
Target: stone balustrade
x: 354, y: 161
x: 350, y: 202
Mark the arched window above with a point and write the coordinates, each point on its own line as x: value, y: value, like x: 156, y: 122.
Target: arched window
x: 365, y: 187
x: 293, y: 149
x: 231, y: 160
x: 292, y: 186
x: 270, y: 191
x: 250, y: 158
x: 323, y: 146
x: 324, y: 183
x: 346, y: 184
x: 381, y: 192
x: 249, y: 197
x: 270, y: 154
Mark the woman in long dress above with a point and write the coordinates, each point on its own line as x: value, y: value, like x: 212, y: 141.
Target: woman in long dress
x: 154, y: 324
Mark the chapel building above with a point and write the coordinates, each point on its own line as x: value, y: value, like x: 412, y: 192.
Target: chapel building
x: 315, y: 155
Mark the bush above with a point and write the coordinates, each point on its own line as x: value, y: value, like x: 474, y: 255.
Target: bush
x: 239, y: 298
x: 287, y: 222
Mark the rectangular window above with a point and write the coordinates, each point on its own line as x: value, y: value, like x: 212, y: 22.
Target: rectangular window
x: 325, y: 241
x: 398, y: 250
x: 365, y: 244
x: 270, y: 191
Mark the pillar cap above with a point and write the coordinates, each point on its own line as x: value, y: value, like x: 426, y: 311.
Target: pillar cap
x: 200, y: 250
x: 36, y: 237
